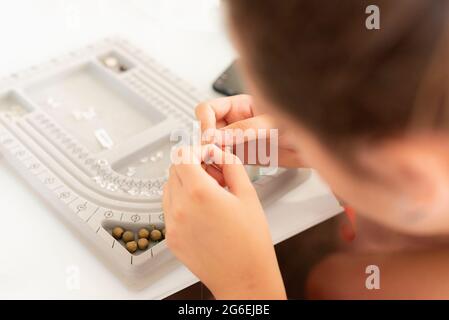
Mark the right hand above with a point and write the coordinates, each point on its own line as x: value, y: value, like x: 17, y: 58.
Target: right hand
x: 238, y: 112
x: 221, y: 235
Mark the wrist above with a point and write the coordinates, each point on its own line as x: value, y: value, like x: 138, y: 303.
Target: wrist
x: 251, y: 293
x: 253, y: 286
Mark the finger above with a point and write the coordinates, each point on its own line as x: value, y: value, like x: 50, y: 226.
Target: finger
x: 167, y: 204
x: 248, y: 129
x: 190, y: 172
x: 215, y: 173
x: 206, y: 115
x: 232, y: 169
x: 168, y: 190
x: 185, y: 155
x: 221, y: 124
x: 258, y: 122
x: 228, y: 109
x: 173, y: 176
x: 166, y: 198
x: 172, y: 192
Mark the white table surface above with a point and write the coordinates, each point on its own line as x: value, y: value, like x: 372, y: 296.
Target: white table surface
x: 41, y: 256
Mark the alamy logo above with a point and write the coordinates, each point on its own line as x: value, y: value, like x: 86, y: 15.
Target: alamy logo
x: 372, y: 22
x: 372, y: 282
x: 257, y: 146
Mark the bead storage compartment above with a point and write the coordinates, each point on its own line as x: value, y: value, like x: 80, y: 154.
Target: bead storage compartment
x: 13, y: 105
x: 90, y: 132
x: 148, y: 162
x: 140, y: 236
x: 93, y: 106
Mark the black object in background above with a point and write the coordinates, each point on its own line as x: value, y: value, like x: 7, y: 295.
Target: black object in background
x: 230, y: 82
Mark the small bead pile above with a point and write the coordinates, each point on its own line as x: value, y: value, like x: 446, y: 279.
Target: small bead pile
x: 144, y: 237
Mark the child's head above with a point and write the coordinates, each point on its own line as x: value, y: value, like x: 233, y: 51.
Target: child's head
x: 368, y: 107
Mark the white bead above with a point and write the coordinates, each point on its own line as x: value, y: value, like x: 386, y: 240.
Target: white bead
x: 111, y: 62
x: 131, y: 171
x: 102, y: 162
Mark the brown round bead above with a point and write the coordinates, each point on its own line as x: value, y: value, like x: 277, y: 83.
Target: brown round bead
x: 117, y: 232
x: 131, y: 246
x: 156, y: 235
x: 143, y: 233
x: 142, y: 243
x: 128, y: 236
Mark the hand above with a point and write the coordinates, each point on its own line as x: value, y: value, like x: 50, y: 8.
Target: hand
x: 221, y: 235
x: 238, y: 112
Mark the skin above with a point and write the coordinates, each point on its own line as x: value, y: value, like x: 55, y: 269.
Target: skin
x: 206, y: 225
x: 240, y: 112
x: 222, y: 235
x: 403, y: 275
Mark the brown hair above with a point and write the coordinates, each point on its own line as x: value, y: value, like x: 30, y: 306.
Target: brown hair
x: 318, y: 61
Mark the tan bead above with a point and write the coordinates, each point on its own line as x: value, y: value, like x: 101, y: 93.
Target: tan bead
x: 143, y: 233
x: 142, y: 243
x: 117, y: 232
x: 163, y: 232
x: 156, y: 235
x: 128, y: 236
x: 131, y: 246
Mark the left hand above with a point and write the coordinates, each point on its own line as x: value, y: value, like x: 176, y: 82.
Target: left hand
x: 228, y: 114
x: 221, y: 235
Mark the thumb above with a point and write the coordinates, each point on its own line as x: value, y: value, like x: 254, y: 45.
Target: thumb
x: 234, y: 173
